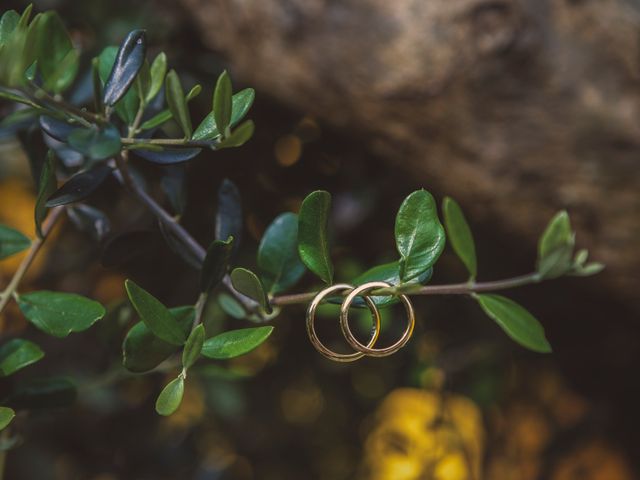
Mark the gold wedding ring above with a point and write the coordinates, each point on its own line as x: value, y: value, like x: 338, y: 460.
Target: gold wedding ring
x: 367, y: 349
x: 311, y: 331
x: 361, y: 349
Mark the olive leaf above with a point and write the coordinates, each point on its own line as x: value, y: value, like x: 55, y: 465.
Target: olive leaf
x: 12, y: 241
x: 459, y: 235
x: 170, y: 398
x: 235, y: 342
x: 313, y: 241
x: 128, y: 62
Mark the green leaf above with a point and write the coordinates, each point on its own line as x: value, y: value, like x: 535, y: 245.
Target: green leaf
x: 555, y: 247
x: 241, y: 103
x: 60, y: 313
x: 80, y: 186
x: 47, y: 186
x: 157, y: 72
x: 215, y: 264
x: 460, y: 235
x: 230, y: 306
x: 222, y: 103
x: 171, y: 397
x: 238, y: 137
x: 247, y: 283
x: 143, y: 351
x: 193, y: 93
x: 17, y: 354
x: 6, y: 415
x: 278, y: 258
x: 50, y: 392
x: 390, y: 273
x: 127, y: 64
x: 65, y: 73
x: 235, y: 342
x: 313, y: 242
x: 12, y: 241
x: 127, y: 106
x: 94, y: 143
x: 420, y: 237
x: 517, y: 322
x: 8, y: 23
x: 587, y: 270
x: 193, y: 347
x: 177, y: 103
x: 154, y: 314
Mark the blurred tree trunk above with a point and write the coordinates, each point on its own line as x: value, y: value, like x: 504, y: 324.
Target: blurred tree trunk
x: 517, y: 108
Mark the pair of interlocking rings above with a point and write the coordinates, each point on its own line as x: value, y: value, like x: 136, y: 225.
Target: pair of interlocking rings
x: 361, y: 349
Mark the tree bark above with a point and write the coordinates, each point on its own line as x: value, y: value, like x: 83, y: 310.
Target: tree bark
x: 517, y: 108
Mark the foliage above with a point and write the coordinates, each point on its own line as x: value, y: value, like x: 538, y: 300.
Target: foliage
x: 136, y: 110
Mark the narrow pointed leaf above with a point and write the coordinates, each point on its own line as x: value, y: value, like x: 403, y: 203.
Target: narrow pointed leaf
x: 142, y: 351
x: 46, y: 187
x: 56, y: 128
x: 460, y: 235
x: 420, y: 237
x: 313, y: 239
x: 222, y: 102
x: 193, y: 347
x: 241, y: 103
x: 60, y: 313
x: 177, y: 103
x: 238, y: 136
x: 170, y: 398
x: 555, y: 247
x: 8, y: 23
x: 155, y: 315
x: 80, y: 186
x: 12, y: 241
x: 158, y: 72
x: 248, y: 283
x: 6, y: 416
x: 517, y: 322
x: 278, y: 258
x: 216, y: 264
x: 229, y: 213
x: 17, y: 354
x: 129, y: 60
x: 235, y: 342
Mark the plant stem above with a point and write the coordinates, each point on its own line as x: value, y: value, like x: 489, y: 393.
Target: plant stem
x: 124, y: 176
x: 181, y: 142
x: 453, y: 289
x: 48, y: 225
x: 199, y: 308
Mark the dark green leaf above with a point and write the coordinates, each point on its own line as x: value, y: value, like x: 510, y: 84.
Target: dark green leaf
x: 155, y: 315
x: 127, y: 106
x: 238, y: 137
x: 313, y: 242
x: 193, y: 347
x: 51, y: 392
x: 230, y: 306
x: 229, y: 213
x: 128, y: 61
x: 235, y: 342
x: 89, y: 220
x: 17, y: 354
x: 94, y: 143
x: 247, y: 283
x: 241, y: 103
x: 222, y: 103
x: 46, y: 187
x: 80, y: 186
x: 517, y: 322
x: 555, y: 247
x: 171, y: 397
x: 420, y: 237
x: 12, y: 241
x: 157, y: 120
x: 460, y: 235
x: 157, y: 72
x: 6, y: 415
x: 177, y: 103
x: 278, y: 258
x: 56, y: 128
x: 216, y: 264
x: 60, y: 313
x: 168, y: 156
x: 26, y: 16
x: 143, y: 351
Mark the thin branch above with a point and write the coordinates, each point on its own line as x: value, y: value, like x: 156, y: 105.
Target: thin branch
x: 179, y: 142
x: 453, y: 289
x: 123, y: 175
x: 36, y: 245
